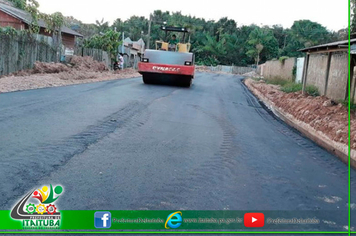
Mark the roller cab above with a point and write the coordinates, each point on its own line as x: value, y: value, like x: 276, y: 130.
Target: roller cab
x: 168, y: 63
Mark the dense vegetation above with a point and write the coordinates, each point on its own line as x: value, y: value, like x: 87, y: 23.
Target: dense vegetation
x: 214, y: 42
x: 223, y: 41
x: 352, y: 15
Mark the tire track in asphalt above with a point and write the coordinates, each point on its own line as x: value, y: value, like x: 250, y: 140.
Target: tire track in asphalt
x: 212, y: 172
x: 31, y: 164
x: 40, y: 104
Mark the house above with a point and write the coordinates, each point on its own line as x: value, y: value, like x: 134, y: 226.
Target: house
x: 132, y: 51
x: 20, y: 20
x: 326, y: 67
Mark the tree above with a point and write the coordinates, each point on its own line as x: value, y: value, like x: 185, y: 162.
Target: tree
x: 240, y: 45
x: 21, y: 4
x: 262, y: 40
x: 135, y: 26
x: 303, y: 34
x: 218, y: 42
x: 224, y: 25
x: 118, y: 25
x: 102, y: 26
x: 353, y: 16
x: 54, y: 24
x: 159, y: 16
x: 110, y: 42
x: 211, y: 51
x: 32, y: 7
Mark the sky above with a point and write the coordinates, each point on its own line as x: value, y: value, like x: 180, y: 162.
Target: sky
x: 333, y: 14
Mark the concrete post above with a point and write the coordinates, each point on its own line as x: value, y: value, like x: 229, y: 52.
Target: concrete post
x: 352, y: 80
x: 149, y: 32
x: 327, y: 73
x: 305, y: 72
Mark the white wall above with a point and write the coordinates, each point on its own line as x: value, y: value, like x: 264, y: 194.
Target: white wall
x: 300, y: 65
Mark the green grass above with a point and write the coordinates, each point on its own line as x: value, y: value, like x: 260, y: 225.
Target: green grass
x: 288, y: 86
x: 294, y: 87
x: 291, y: 87
x: 277, y: 81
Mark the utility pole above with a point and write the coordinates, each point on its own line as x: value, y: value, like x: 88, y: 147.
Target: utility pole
x: 122, y: 46
x: 149, y: 32
x: 285, y: 41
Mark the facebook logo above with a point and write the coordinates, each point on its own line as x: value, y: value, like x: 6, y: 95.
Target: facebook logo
x: 102, y: 219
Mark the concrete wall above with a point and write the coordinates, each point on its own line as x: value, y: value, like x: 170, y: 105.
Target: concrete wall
x: 317, y: 71
x: 278, y: 69
x: 338, y: 77
x: 338, y: 74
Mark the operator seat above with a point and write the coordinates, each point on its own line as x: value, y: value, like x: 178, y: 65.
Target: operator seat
x: 164, y: 46
x: 183, y: 47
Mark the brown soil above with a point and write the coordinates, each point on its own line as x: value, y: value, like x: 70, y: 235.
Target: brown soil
x: 87, y: 63
x: 79, y: 70
x: 321, y: 113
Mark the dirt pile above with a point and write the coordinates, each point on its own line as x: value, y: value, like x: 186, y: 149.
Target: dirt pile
x: 75, y: 65
x: 79, y: 70
x: 48, y: 68
x: 87, y: 64
x: 322, y: 113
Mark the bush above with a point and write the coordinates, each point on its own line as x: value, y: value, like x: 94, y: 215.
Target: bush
x: 282, y: 59
x: 8, y: 31
x: 291, y: 87
x: 108, y: 42
x: 312, y: 90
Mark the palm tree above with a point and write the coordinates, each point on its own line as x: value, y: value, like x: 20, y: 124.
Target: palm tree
x: 212, y: 49
x: 259, y: 39
x: 102, y: 26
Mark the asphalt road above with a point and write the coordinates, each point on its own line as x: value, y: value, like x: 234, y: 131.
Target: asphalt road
x: 123, y: 145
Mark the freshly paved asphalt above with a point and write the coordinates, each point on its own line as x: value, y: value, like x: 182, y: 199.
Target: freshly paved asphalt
x: 124, y: 145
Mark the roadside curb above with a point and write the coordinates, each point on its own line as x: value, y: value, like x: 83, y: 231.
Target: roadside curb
x: 338, y: 149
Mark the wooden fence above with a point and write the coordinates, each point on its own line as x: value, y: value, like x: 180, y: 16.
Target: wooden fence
x: 21, y: 52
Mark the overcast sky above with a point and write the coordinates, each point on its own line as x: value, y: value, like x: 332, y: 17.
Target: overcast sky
x: 332, y: 14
